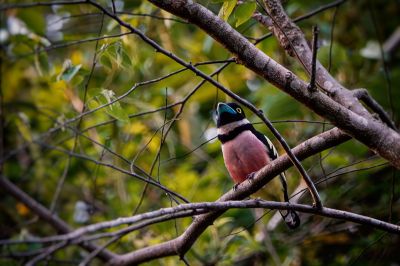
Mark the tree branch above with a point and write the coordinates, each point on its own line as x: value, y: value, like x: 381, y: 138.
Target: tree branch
x: 121, y: 170
x: 363, y: 95
x: 38, y: 4
x: 180, y: 245
x: 289, y: 34
x: 46, y: 253
x: 47, y: 216
x: 189, y: 209
x: 311, y: 86
x: 374, y: 134
x: 306, y: 16
x: 259, y: 113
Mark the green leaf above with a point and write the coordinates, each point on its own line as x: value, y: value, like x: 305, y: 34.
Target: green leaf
x: 125, y: 60
x: 227, y: 9
x: 105, y: 60
x: 244, y: 12
x: 115, y: 53
x: 69, y: 71
x: 112, y: 50
x: 115, y: 109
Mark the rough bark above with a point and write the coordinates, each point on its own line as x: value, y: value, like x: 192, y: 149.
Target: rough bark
x: 348, y: 115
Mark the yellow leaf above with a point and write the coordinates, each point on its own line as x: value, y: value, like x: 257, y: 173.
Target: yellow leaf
x: 76, y: 57
x: 22, y: 209
x: 59, y: 85
x: 135, y: 128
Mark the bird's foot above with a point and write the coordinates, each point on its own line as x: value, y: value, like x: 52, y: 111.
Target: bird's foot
x: 250, y: 176
x: 317, y: 206
x: 235, y: 187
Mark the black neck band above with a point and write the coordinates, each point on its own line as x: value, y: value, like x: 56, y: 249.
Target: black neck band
x: 232, y: 134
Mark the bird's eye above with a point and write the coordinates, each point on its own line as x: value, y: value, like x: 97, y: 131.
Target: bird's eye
x: 239, y: 110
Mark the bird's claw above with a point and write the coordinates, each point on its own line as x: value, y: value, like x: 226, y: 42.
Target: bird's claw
x: 235, y: 187
x: 317, y: 206
x: 250, y: 177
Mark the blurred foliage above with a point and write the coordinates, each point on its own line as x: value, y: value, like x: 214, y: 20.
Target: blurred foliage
x: 52, y: 68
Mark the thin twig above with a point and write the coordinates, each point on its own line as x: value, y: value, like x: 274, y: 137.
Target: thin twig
x: 39, y: 4
x: 259, y: 113
x: 306, y: 16
x: 312, y: 86
x: 47, y: 216
x: 46, y: 253
x: 62, y: 179
x: 94, y: 253
x: 109, y: 165
x: 363, y: 95
x: 2, y: 117
x: 42, y: 49
x: 385, y: 64
x: 114, y: 10
x: 143, y: 83
x: 331, y: 39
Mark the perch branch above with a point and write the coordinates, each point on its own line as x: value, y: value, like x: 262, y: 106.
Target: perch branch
x: 180, y: 245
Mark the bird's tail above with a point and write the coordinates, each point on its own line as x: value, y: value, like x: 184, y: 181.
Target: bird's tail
x: 290, y: 217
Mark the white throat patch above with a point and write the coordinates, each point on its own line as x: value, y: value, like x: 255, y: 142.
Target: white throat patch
x: 225, y: 129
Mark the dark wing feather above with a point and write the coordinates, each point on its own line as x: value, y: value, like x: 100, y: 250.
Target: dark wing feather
x: 272, y: 152
x: 291, y: 218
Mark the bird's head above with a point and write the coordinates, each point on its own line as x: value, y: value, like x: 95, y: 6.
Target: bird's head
x: 228, y: 113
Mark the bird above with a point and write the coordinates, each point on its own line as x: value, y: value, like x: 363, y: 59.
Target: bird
x: 246, y: 150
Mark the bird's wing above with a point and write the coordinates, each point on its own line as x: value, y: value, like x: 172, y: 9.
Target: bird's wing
x: 290, y: 217
x: 272, y: 152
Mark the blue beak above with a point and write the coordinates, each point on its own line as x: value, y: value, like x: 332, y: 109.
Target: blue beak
x: 224, y: 108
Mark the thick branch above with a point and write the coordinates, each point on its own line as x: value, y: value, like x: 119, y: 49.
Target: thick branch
x: 47, y: 216
x: 180, y: 245
x: 373, y: 133
x: 189, y: 209
x: 289, y: 34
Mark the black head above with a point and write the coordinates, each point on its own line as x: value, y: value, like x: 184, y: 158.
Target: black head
x: 228, y: 113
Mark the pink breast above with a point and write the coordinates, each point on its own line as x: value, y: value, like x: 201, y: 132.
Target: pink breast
x: 244, y: 155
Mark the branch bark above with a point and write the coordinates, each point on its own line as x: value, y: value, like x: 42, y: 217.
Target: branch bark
x: 180, y: 245
x: 362, y: 94
x: 292, y: 38
x: 351, y: 117
x: 189, y: 209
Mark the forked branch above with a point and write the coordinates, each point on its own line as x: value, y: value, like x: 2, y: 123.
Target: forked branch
x: 180, y: 245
